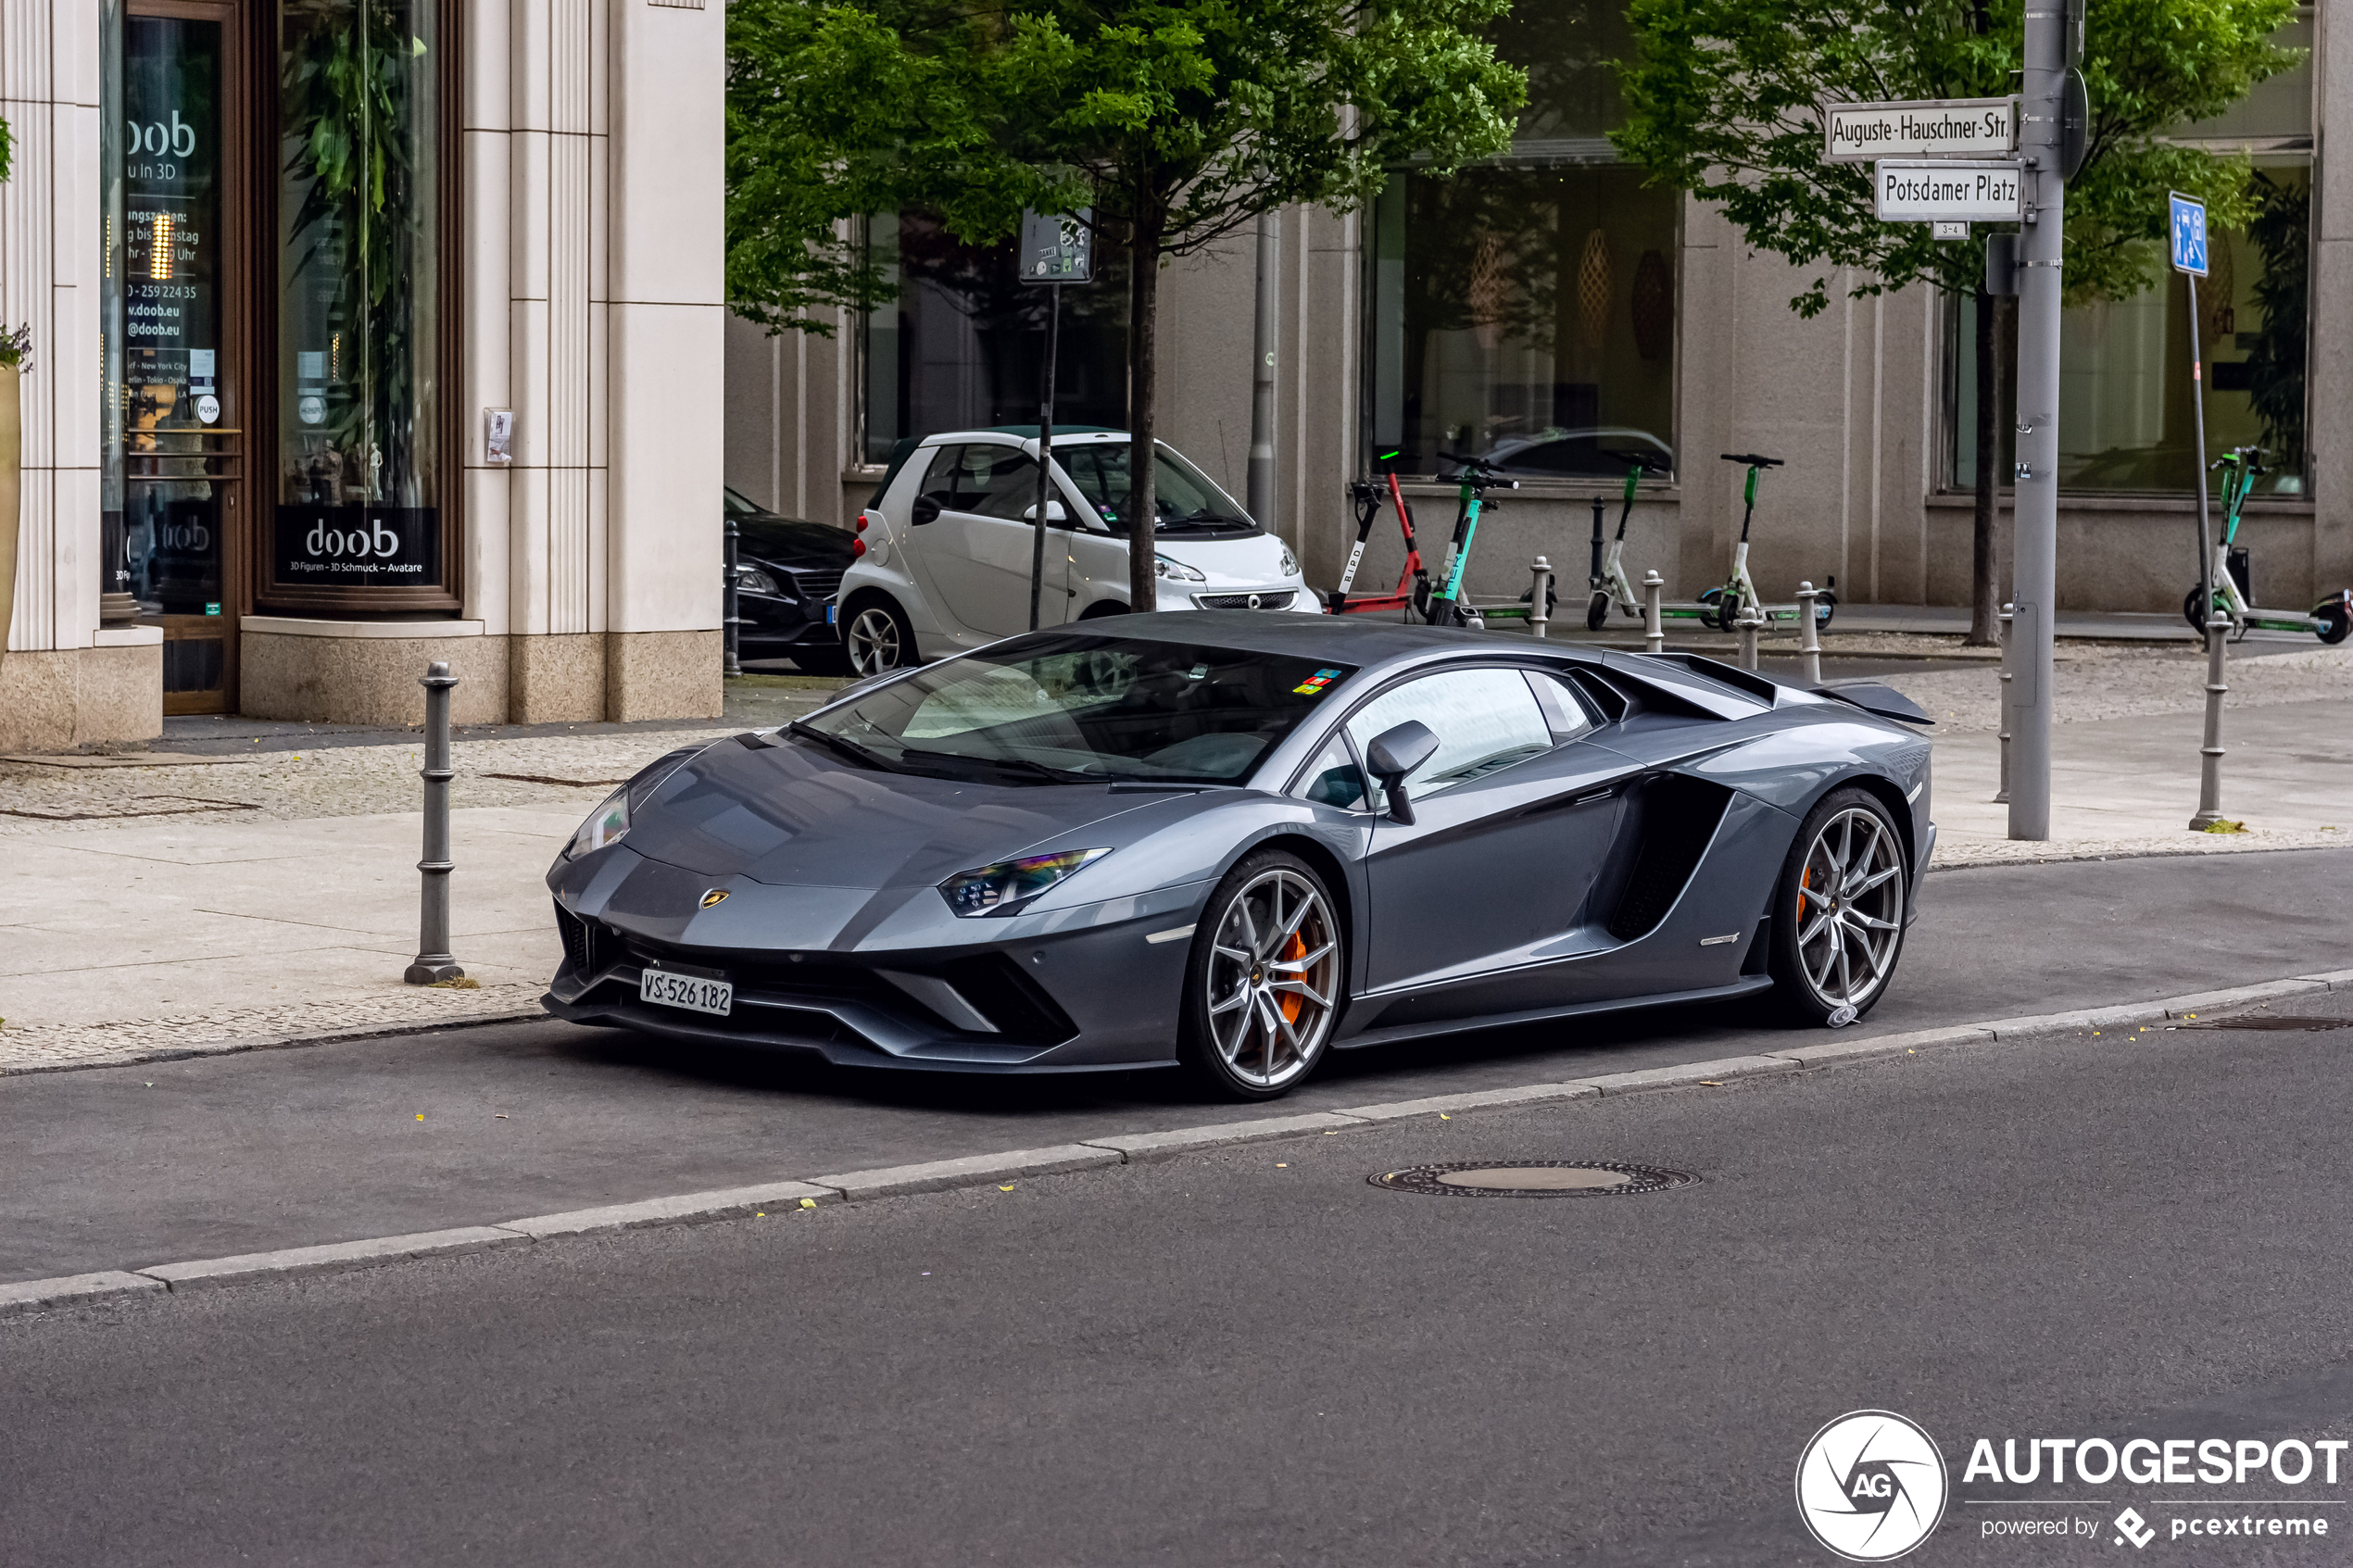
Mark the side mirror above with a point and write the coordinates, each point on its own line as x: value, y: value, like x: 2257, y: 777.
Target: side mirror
x: 1395, y: 753
x: 925, y: 509
x: 1054, y: 513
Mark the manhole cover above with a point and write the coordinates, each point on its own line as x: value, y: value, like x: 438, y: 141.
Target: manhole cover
x: 2269, y: 1021
x: 1531, y: 1178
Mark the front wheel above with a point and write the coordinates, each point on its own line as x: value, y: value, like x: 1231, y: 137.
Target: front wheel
x: 1838, y: 911
x: 1715, y: 610
x: 876, y: 638
x: 1597, y: 612
x: 1263, y: 986
x: 2193, y: 610
x: 2336, y: 621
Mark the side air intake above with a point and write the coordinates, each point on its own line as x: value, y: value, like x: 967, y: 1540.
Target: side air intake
x: 1674, y: 818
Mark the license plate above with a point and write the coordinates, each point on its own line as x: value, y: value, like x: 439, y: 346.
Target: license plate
x: 829, y: 615
x: 689, y: 991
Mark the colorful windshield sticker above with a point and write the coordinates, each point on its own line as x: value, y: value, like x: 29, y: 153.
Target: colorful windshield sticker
x: 1314, y: 686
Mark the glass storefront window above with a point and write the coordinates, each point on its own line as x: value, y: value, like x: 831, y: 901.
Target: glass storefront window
x: 1524, y: 310
x: 962, y: 344
x: 2125, y: 420
x: 358, y: 464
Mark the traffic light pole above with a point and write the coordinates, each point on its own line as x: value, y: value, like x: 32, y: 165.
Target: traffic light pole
x: 2035, y: 571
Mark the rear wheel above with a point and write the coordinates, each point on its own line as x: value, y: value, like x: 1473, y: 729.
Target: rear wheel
x: 1263, y: 986
x: 2336, y: 621
x: 876, y: 637
x: 1838, y: 911
x: 1825, y: 606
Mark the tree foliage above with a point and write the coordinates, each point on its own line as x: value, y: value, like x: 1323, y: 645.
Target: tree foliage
x: 1177, y: 121
x: 1725, y: 96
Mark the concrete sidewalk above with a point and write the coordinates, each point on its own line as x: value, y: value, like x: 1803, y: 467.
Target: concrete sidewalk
x: 162, y: 909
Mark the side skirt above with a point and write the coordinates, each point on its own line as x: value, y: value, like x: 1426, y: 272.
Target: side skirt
x: 1747, y: 985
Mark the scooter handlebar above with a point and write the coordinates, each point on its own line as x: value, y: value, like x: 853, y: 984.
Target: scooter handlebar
x: 1753, y: 459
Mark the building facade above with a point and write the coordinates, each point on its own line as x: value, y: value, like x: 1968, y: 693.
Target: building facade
x: 1554, y: 311
x: 366, y: 332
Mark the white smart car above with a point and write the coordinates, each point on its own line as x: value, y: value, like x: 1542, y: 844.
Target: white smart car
x: 945, y: 546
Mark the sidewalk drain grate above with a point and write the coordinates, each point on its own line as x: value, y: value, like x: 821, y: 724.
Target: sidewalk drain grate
x: 2269, y: 1021
x: 1531, y: 1178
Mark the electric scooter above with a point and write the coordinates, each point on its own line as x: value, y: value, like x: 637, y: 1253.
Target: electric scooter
x: 2332, y: 618
x: 1413, y: 583
x: 1444, y: 607
x: 1721, y: 608
x: 1608, y: 577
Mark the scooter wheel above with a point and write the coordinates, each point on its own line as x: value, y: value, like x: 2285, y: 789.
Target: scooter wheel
x: 1711, y: 612
x: 1825, y: 606
x: 1597, y: 612
x: 2190, y: 608
x: 2336, y: 621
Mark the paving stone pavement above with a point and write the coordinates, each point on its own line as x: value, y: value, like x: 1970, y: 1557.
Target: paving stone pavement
x: 150, y: 911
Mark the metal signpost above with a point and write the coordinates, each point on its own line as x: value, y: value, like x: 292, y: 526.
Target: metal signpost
x: 1056, y: 248
x: 2185, y: 234
x: 1943, y: 163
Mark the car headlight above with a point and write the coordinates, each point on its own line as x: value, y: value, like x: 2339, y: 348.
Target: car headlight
x: 605, y: 825
x: 1176, y: 570
x: 1290, y: 562
x: 1003, y: 887
x: 751, y: 580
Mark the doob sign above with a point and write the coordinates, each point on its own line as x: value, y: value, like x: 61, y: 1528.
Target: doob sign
x: 360, y: 546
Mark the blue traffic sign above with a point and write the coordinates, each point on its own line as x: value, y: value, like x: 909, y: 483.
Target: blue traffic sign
x: 2186, y: 227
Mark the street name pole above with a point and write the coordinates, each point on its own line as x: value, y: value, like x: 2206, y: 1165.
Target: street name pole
x: 1056, y: 248
x: 1045, y: 454
x: 2034, y: 589
x: 1261, y: 370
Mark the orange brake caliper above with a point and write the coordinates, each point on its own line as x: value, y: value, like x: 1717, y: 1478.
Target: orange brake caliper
x: 1294, y: 950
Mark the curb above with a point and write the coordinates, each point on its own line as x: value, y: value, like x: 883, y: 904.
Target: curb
x: 860, y: 1186
x: 132, y: 1056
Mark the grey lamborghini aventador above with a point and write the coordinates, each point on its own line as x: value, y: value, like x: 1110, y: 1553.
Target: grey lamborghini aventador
x: 1239, y: 841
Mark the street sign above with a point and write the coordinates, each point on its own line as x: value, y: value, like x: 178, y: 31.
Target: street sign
x: 1946, y: 229
x: 1924, y: 192
x: 1057, y: 247
x: 1968, y: 127
x: 2186, y: 226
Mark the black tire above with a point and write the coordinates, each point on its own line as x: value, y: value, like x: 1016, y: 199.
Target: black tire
x: 1792, y: 959
x: 1101, y: 608
x: 2190, y: 607
x: 1597, y: 612
x: 2336, y: 621
x: 1708, y: 616
x: 1825, y: 607
x: 876, y: 636
x: 1217, y: 1053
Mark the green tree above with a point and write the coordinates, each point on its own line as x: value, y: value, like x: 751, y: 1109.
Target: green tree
x: 1176, y: 122
x: 8, y: 148
x: 1724, y: 99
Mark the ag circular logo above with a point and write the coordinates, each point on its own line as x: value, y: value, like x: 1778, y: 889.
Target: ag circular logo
x: 1872, y: 1486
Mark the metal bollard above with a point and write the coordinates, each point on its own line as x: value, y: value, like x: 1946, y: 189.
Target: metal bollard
x: 1539, y: 596
x: 731, y: 603
x: 434, y: 960
x: 2209, y: 773
x: 2001, y: 795
x: 1809, y: 636
x: 1654, y: 631
x: 1748, y: 624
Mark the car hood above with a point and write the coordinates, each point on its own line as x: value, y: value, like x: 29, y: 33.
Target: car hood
x: 1253, y: 562
x: 789, y: 813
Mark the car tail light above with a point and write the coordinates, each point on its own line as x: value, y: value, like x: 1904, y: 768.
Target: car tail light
x: 857, y: 547
x: 862, y: 522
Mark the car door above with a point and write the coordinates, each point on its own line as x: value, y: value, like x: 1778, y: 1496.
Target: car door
x: 1513, y: 816
x: 971, y: 542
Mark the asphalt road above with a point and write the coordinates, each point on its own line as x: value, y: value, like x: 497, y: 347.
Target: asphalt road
x: 1255, y: 1357
x: 130, y: 1167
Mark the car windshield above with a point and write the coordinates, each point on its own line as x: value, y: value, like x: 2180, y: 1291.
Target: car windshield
x: 1182, y: 495
x: 1060, y: 707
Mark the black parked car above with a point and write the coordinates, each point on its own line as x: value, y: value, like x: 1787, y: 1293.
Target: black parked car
x: 789, y: 569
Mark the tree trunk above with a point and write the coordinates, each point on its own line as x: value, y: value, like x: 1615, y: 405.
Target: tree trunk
x: 1143, y: 391
x: 1985, y: 595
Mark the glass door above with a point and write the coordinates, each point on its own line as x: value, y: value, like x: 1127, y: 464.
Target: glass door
x: 173, y: 383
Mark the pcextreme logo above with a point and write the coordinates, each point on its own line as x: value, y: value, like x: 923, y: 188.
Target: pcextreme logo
x: 1872, y: 1486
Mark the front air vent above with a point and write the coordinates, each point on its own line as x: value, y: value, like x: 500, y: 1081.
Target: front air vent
x: 1016, y: 1004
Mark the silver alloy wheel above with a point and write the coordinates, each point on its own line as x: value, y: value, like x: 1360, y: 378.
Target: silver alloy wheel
x: 873, y: 641
x: 1274, y: 974
x: 1850, y: 907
